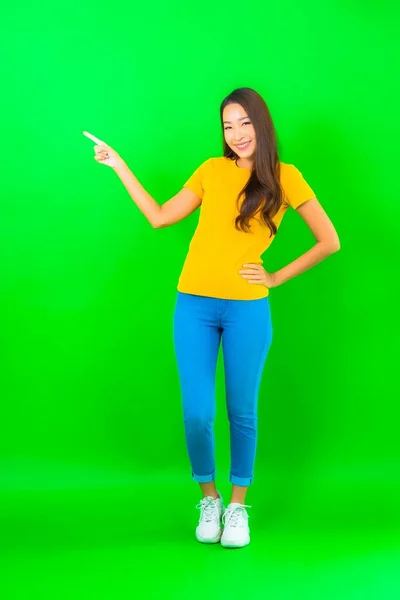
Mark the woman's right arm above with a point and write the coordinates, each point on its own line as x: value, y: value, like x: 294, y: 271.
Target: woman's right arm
x: 174, y: 210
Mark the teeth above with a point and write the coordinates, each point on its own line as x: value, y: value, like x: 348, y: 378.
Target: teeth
x: 243, y: 145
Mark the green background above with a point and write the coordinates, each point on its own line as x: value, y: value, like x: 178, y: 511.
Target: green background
x: 96, y: 492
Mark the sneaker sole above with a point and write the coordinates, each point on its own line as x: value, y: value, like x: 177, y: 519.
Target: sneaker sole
x: 233, y: 545
x: 214, y: 540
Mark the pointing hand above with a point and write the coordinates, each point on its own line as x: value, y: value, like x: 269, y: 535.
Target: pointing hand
x: 104, y: 154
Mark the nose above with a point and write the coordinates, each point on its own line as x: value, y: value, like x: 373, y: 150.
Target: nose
x: 238, y: 138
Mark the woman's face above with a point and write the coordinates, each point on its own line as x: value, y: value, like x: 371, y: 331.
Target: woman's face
x: 238, y: 129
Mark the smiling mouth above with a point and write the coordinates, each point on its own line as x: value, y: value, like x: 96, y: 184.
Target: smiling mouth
x: 241, y: 146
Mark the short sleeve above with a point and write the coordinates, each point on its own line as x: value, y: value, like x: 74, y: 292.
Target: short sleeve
x: 196, y: 182
x: 297, y: 190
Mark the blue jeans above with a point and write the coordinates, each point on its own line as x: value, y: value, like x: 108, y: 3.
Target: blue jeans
x: 200, y: 322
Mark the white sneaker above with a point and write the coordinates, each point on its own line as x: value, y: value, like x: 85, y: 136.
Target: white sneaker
x: 236, y: 532
x: 209, y: 529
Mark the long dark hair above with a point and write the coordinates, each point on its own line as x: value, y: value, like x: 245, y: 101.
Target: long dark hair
x: 263, y: 190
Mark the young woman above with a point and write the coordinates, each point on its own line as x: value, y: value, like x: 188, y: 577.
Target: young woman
x: 222, y: 293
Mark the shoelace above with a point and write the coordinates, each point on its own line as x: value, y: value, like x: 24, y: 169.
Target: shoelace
x: 235, y: 516
x: 209, y: 511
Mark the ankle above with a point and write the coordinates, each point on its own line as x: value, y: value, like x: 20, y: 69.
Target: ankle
x: 213, y: 495
x: 209, y: 489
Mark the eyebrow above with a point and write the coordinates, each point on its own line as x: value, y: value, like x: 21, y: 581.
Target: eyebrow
x: 241, y: 119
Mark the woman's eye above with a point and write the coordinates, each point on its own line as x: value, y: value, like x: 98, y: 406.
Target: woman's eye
x: 245, y: 123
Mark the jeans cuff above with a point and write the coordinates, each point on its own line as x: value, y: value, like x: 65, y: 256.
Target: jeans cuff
x: 243, y: 481
x: 204, y: 478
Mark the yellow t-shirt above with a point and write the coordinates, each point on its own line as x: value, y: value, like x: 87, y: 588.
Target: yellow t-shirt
x: 218, y: 250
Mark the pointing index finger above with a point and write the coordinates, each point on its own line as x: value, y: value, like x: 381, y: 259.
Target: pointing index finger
x: 93, y: 138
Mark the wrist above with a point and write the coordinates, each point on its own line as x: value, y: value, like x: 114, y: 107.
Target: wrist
x: 120, y: 166
x: 275, y: 279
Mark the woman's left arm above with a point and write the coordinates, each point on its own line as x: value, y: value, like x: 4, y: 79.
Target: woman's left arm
x: 327, y: 242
